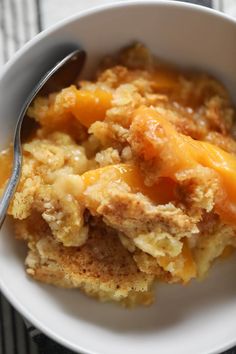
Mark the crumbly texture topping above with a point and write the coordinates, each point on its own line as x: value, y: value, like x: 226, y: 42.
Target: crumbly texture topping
x: 108, y: 232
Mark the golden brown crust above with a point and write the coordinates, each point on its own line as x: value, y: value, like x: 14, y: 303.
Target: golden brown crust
x: 134, y: 214
x: 102, y: 267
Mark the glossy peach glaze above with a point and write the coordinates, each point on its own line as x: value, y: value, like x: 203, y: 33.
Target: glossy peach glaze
x: 175, y: 152
x: 83, y: 105
x: 5, y: 166
x: 91, y: 106
x: 162, y: 192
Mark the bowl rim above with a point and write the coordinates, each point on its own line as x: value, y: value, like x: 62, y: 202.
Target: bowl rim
x: 100, y: 8
x: 30, y: 44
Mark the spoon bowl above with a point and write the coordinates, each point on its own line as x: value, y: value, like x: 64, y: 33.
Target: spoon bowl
x: 62, y: 74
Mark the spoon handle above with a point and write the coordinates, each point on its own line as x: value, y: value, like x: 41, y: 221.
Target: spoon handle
x: 17, y: 150
x: 17, y: 160
x: 62, y: 74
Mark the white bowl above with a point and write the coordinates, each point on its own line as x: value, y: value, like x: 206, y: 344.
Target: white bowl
x: 197, y: 319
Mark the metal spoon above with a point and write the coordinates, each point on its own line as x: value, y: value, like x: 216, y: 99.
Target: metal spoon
x: 62, y: 74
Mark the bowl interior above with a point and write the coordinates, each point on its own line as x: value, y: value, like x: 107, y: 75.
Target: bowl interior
x: 197, y: 319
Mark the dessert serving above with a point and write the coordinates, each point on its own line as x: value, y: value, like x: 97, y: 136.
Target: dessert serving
x: 129, y: 179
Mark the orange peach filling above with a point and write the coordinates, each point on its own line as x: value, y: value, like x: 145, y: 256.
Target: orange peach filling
x: 162, y: 192
x: 5, y: 166
x: 176, y: 152
x: 91, y: 106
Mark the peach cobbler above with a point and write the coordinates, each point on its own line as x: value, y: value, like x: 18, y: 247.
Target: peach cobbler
x: 128, y: 179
